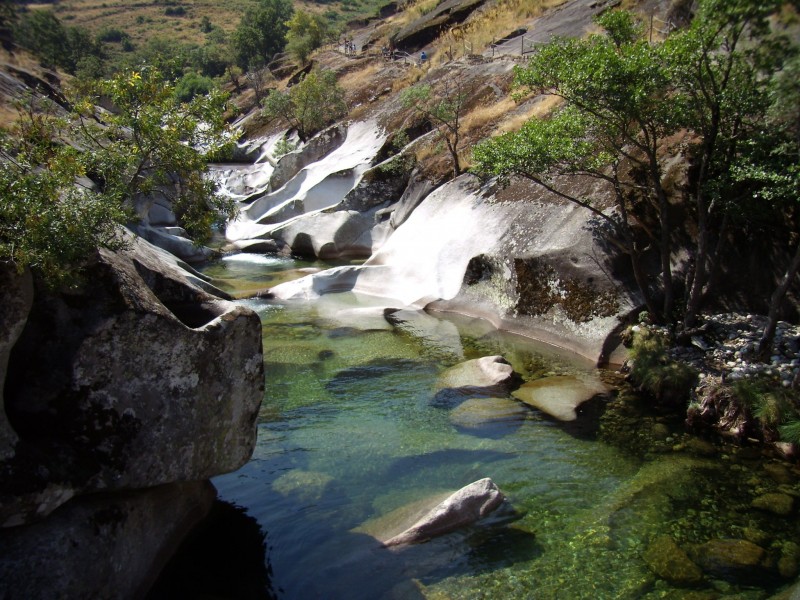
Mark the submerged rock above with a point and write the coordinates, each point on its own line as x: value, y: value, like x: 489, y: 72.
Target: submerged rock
x: 488, y: 375
x: 476, y: 413
x: 559, y: 396
x: 466, y: 506
x: 667, y: 560
x: 731, y: 559
x: 776, y: 503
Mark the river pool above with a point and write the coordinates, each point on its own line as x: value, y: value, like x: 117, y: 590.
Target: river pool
x: 350, y: 433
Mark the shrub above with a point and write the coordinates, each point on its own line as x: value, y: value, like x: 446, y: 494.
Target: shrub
x: 192, y: 84
x: 669, y: 382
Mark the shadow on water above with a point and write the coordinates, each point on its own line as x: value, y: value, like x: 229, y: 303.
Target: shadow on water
x: 393, y: 572
x: 403, y: 370
x: 224, y: 557
x: 442, y: 461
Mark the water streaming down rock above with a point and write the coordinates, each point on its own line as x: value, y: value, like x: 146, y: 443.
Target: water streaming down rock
x: 515, y: 256
x: 292, y: 213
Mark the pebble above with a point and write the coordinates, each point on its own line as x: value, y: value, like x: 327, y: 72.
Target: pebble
x: 727, y: 349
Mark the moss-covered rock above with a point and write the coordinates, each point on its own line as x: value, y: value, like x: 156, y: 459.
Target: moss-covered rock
x: 667, y: 560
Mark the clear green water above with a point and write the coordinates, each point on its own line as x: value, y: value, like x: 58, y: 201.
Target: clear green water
x: 348, y: 433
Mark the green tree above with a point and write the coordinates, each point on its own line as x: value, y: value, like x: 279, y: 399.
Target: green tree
x: 152, y: 144
x: 306, y: 32
x: 626, y: 98
x: 262, y: 31
x: 192, y: 84
x: 307, y: 107
x: 616, y: 92
x: 40, y: 32
x: 442, y: 105
x: 773, y: 164
x: 721, y: 68
x: 47, y: 222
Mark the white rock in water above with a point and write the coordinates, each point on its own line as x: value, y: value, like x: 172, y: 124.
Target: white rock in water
x: 468, y: 505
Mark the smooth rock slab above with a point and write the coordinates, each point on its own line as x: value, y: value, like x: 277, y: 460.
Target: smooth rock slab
x: 559, y: 396
x: 466, y: 506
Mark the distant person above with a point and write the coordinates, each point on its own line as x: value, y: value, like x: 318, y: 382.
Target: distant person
x: 423, y: 57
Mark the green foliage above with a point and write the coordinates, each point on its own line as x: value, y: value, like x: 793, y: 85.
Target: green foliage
x: 112, y: 35
x: 770, y: 403
x: 541, y: 148
x: 175, y: 11
x: 790, y: 431
x: 47, y: 222
x: 205, y: 24
x: 192, y: 84
x: 668, y: 381
x: 627, y: 97
x: 153, y: 145
x: 43, y: 34
x: 150, y: 145
x: 306, y: 32
x: 442, y: 105
x: 307, y: 107
x: 262, y: 31
x: 620, y: 26
x: 283, y: 147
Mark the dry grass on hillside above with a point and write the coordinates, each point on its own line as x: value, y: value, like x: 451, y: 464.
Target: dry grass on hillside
x: 490, y: 24
x: 142, y: 21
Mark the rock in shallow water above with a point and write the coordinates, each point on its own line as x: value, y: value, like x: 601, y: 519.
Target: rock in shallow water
x: 776, y: 503
x: 476, y: 413
x: 666, y: 559
x: 560, y: 396
x: 488, y: 374
x: 731, y: 559
x: 464, y: 507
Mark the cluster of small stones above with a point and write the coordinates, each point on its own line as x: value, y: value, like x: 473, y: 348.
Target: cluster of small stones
x: 727, y: 348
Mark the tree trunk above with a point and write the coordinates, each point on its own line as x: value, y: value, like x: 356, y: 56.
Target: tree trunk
x: 765, y: 344
x: 700, y: 268
x: 664, y: 245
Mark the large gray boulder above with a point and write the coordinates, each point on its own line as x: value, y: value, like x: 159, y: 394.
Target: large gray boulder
x: 466, y: 506
x: 16, y: 296
x: 103, y: 545
x: 137, y: 378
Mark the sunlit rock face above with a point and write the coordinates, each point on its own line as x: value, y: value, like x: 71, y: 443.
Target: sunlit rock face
x: 525, y: 261
x: 316, y: 177
x: 138, y: 378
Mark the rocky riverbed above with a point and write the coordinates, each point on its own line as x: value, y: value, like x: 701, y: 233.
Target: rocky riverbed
x: 726, y: 348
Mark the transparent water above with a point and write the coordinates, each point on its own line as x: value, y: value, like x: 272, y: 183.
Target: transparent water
x: 348, y: 434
